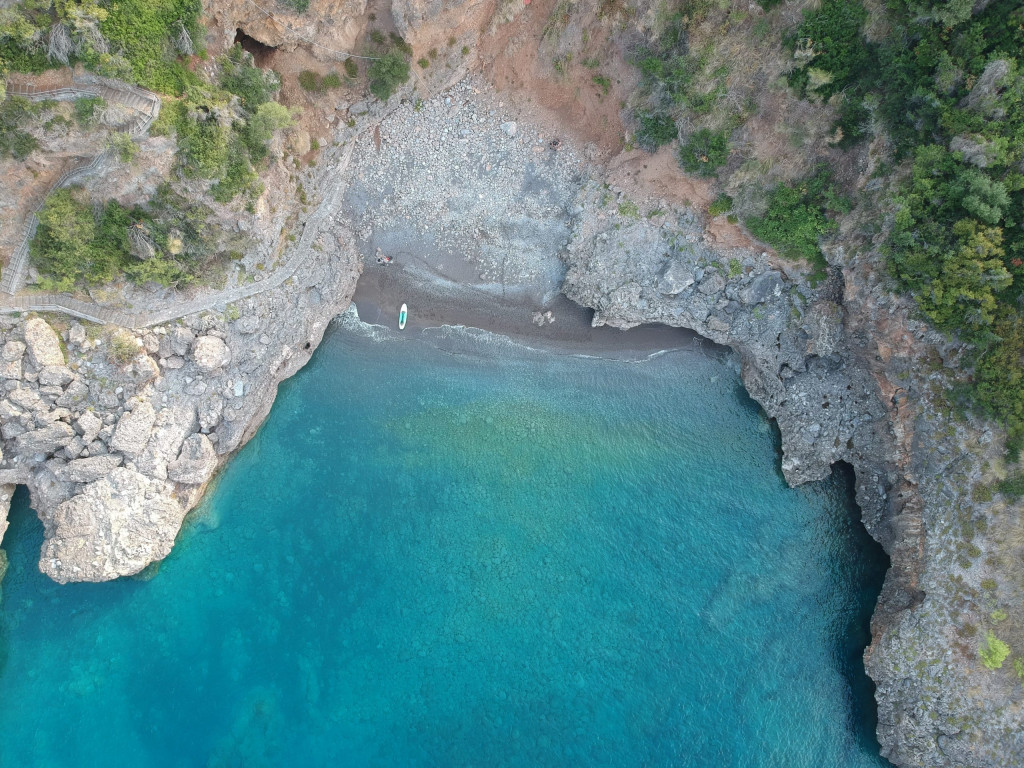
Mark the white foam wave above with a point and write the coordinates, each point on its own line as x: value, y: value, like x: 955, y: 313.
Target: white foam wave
x: 467, y: 340
x: 350, y: 321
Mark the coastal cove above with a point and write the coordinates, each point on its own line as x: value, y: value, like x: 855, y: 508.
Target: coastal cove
x: 447, y: 548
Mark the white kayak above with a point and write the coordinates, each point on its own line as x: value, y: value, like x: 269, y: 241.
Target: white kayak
x: 403, y: 315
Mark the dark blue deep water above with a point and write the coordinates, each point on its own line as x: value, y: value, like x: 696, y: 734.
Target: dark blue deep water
x: 465, y: 553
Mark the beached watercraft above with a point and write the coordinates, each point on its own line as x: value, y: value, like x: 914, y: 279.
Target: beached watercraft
x: 403, y: 315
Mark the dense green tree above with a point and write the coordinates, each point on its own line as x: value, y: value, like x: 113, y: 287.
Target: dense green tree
x: 387, y: 73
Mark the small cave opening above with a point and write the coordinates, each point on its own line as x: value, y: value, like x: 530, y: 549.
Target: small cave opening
x: 260, y: 51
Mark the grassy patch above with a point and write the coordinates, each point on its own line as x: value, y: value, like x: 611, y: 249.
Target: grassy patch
x: 722, y: 204
x: 705, y: 151
x: 654, y: 129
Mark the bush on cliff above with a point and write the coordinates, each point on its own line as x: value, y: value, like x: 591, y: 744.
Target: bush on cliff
x: 799, y: 215
x: 994, y: 652
x: 143, y: 41
x: 15, y: 112
x: 77, y: 245
x: 387, y: 73
x: 705, y: 151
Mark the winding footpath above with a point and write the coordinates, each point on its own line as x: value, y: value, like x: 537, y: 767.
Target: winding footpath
x: 147, y: 105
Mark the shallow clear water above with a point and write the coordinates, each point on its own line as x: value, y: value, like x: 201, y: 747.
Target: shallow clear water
x: 479, y: 556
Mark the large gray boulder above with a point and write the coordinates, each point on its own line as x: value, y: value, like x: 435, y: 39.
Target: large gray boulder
x: 55, y: 376
x: 89, y: 426
x: 211, y: 353
x: 210, y: 411
x: 10, y: 360
x: 13, y: 350
x: 133, y: 429
x: 177, y: 342
x: 763, y: 287
x: 88, y: 470
x: 170, y: 428
x: 45, y: 440
x: 116, y: 527
x: 42, y: 344
x: 675, y: 277
x: 196, y: 462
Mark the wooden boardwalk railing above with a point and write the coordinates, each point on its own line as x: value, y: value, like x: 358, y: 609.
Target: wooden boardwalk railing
x: 41, y: 302
x: 145, y: 104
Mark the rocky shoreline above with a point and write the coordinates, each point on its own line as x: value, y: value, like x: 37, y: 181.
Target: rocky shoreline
x: 116, y: 432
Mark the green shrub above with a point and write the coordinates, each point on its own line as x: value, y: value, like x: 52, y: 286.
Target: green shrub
x: 424, y: 62
x: 387, y: 73
x: 833, y: 31
x: 71, y: 246
x: 994, y: 652
x: 260, y: 128
x: 88, y: 109
x: 799, y: 216
x: 654, y: 129
x: 310, y: 81
x: 351, y: 68
x: 705, y: 151
x: 239, y: 175
x: 629, y: 209
x: 1012, y: 487
x: 722, y: 204
x: 121, y: 347
x: 15, y: 142
x: 399, y: 43
x: 331, y: 80
x: 240, y: 75
x: 203, y: 144
x: 171, y: 113
x: 123, y: 146
x: 145, y: 31
x: 79, y: 244
x: 145, y: 37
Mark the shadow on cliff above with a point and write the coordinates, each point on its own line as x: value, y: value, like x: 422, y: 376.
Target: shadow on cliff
x: 862, y: 562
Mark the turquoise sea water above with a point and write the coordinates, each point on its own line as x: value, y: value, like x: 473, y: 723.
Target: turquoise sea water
x: 466, y: 553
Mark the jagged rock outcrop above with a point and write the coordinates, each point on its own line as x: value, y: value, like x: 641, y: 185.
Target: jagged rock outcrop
x: 841, y: 366
x: 116, y: 526
x: 114, y: 454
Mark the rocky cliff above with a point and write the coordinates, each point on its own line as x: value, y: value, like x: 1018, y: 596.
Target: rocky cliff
x: 116, y: 431
x: 842, y: 367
